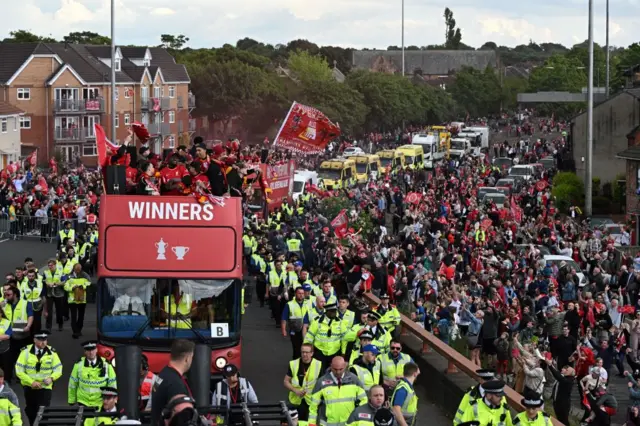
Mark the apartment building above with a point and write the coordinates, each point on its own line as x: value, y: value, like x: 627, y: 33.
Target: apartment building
x: 9, y: 134
x: 64, y: 89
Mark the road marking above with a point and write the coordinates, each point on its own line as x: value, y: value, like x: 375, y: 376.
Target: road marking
x: 4, y: 241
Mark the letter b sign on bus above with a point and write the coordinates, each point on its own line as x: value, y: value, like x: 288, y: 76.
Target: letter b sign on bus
x: 219, y: 330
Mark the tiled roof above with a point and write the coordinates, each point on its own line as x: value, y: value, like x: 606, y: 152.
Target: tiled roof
x: 86, y: 61
x: 8, y: 109
x: 430, y: 62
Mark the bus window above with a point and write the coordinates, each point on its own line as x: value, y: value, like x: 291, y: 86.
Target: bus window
x: 374, y: 166
x: 420, y: 159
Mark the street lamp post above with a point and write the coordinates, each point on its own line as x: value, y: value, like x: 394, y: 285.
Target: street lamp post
x: 113, y: 71
x: 608, y: 55
x: 403, y: 38
x: 589, y: 166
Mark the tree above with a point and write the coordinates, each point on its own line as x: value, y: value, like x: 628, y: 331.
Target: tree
x: 86, y: 37
x: 25, y: 36
x: 453, y: 35
x: 173, y: 42
x: 305, y: 45
x: 489, y: 46
x: 307, y: 67
x: 479, y: 92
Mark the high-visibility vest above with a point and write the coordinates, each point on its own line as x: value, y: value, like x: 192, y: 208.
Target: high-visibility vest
x: 30, y: 369
x: 480, y: 236
x: 479, y: 411
x: 9, y: 414
x: 33, y: 295
x: 339, y: 401
x: 71, y: 286
x: 392, y: 370
x: 410, y: 405
x: 275, y: 280
x: 325, y: 335
x: 67, y: 233
x: 542, y: 419
x: 293, y: 244
x: 308, y: 381
x: 85, y: 382
x: 99, y: 421
x: 17, y: 316
x: 368, y: 378
x: 183, y: 308
x: 146, y: 387
x: 296, y: 315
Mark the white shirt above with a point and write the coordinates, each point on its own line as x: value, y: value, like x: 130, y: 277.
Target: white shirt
x: 122, y: 304
x: 81, y: 213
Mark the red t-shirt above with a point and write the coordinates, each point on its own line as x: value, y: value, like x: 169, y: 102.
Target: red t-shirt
x: 167, y: 175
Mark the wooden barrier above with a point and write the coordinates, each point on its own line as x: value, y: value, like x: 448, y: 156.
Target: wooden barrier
x: 456, y: 361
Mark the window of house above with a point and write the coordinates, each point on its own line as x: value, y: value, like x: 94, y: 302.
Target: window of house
x: 117, y: 65
x: 15, y: 124
x: 24, y: 94
x: 117, y: 120
x: 638, y: 178
x: 3, y: 125
x: 25, y: 122
x: 127, y: 93
x: 172, y: 91
x: 172, y: 116
x: 89, y: 150
x: 90, y: 93
x: 127, y: 120
x: 146, y: 62
x: 172, y: 141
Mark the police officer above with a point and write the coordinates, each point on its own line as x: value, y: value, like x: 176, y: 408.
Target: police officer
x: 476, y: 392
x: 325, y: 333
x: 38, y: 366
x: 533, y: 415
x: 90, y: 374
x: 404, y: 401
x: 364, y: 415
x: 109, y: 401
x: 389, y: 314
x: 489, y: 410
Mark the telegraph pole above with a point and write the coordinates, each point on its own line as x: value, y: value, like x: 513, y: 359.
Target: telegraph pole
x: 403, y: 38
x: 608, y: 55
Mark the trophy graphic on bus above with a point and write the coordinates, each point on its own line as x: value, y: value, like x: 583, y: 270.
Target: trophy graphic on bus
x: 180, y: 252
x: 162, y: 249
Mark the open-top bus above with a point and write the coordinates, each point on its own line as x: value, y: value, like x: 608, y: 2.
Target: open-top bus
x: 170, y: 268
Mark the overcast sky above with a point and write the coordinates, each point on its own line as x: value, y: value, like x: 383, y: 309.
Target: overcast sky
x: 347, y: 23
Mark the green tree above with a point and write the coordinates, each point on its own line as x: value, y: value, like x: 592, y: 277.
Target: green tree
x: 86, y: 37
x: 453, y: 35
x: 479, y: 92
x: 25, y: 36
x: 173, y: 42
x: 307, y: 67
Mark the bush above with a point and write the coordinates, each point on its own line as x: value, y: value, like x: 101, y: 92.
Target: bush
x: 567, y: 195
x: 567, y: 178
x: 595, y: 186
x: 619, y: 189
x: 601, y: 205
x: 607, y: 190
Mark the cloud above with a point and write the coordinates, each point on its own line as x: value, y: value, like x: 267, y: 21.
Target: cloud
x: 355, y: 23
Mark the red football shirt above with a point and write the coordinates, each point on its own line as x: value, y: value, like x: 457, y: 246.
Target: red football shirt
x: 167, y: 175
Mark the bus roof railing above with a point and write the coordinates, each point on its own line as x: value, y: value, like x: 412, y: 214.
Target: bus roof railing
x: 457, y: 363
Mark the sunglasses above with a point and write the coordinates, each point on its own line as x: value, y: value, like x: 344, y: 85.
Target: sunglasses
x: 396, y: 348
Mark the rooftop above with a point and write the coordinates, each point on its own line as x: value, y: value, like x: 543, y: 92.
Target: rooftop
x: 428, y: 62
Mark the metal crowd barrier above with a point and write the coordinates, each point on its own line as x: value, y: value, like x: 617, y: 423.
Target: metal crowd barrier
x: 457, y: 363
x: 32, y: 228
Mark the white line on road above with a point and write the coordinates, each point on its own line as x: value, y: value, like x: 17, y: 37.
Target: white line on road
x: 4, y: 241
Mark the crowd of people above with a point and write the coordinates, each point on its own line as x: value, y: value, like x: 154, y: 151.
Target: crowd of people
x: 484, y: 278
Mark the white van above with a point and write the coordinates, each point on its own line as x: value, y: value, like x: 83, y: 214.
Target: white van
x: 430, y: 146
x: 522, y: 171
x: 557, y: 260
x: 300, y: 180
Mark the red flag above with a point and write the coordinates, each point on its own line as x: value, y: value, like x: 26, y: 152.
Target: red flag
x: 306, y: 130
x: 340, y: 223
x: 413, y: 198
x: 105, y: 147
x: 33, y: 158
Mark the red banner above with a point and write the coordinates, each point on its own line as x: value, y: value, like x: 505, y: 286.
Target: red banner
x: 340, y: 223
x: 306, y: 130
x: 413, y: 198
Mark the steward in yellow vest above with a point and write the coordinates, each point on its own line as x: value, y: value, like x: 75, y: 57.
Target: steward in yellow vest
x: 9, y: 413
x: 368, y: 368
x: 32, y: 291
x: 178, y: 309
x: 404, y: 402
x: 373, y: 413
x: 76, y: 288
x: 301, y: 379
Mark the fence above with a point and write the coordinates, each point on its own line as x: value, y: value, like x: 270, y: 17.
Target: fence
x: 31, y: 227
x: 457, y: 363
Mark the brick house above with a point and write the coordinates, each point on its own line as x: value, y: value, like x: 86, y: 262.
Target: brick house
x: 64, y: 89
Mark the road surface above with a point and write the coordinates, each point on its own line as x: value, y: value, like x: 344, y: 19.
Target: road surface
x: 265, y: 354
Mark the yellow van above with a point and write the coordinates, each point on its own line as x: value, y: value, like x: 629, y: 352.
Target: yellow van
x: 337, y: 173
x: 413, y: 156
x: 390, y: 160
x: 366, y: 165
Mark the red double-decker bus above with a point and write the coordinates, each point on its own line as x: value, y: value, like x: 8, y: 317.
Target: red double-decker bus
x: 170, y: 268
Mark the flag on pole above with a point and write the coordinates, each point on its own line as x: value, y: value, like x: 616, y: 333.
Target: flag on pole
x: 306, y: 130
x: 340, y: 223
x: 105, y: 147
x: 33, y: 158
